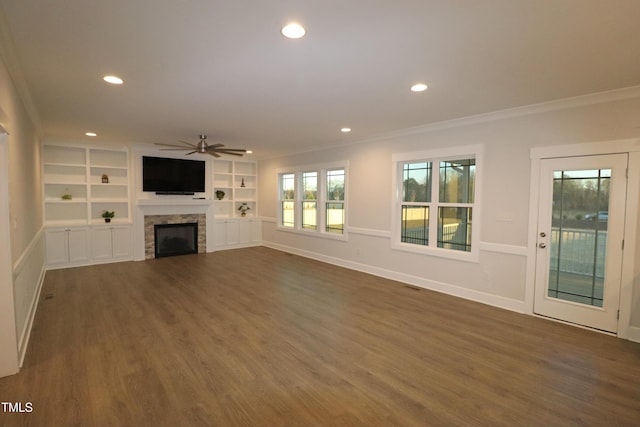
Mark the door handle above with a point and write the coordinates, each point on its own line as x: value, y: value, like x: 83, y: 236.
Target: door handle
x: 542, y: 245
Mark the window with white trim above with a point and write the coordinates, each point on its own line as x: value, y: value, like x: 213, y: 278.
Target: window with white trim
x: 312, y: 199
x: 436, y: 207
x: 287, y: 200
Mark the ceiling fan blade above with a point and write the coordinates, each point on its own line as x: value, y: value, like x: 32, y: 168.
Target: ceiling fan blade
x: 226, y: 152
x: 239, y: 150
x: 175, y: 145
x: 176, y: 149
x: 216, y: 145
x: 213, y: 153
x: 190, y: 153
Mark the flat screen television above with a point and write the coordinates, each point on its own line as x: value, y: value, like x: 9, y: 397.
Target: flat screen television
x: 173, y: 176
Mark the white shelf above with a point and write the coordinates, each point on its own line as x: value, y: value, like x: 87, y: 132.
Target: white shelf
x: 61, y: 201
x: 78, y: 171
x: 228, y: 176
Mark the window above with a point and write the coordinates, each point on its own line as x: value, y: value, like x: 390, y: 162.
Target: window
x: 287, y: 196
x: 309, y: 197
x: 312, y: 200
x: 334, y: 206
x: 434, y: 212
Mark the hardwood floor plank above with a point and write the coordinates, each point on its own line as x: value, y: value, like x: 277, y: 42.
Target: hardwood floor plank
x: 257, y: 337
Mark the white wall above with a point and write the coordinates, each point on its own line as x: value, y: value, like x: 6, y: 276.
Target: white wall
x: 25, y: 253
x: 500, y: 276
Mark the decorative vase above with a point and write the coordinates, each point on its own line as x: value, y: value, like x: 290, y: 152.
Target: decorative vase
x: 107, y: 220
x: 243, y: 214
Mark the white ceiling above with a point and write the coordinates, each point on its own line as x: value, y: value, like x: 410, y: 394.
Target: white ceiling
x: 223, y: 68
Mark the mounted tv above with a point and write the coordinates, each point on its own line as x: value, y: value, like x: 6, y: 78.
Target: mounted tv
x: 173, y: 176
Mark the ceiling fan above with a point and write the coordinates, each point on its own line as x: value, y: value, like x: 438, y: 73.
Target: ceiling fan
x: 203, y: 148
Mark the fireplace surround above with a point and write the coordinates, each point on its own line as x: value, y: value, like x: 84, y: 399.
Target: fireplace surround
x: 150, y: 221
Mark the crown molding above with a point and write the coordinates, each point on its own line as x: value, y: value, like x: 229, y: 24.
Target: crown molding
x: 543, y: 107
x: 526, y: 110
x: 12, y: 64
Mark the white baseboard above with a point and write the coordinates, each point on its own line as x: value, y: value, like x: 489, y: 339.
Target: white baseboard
x: 634, y: 334
x: 470, y: 294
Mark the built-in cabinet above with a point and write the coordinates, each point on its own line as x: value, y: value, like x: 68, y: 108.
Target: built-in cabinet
x: 237, y: 233
x: 79, y: 184
x: 111, y: 243
x: 68, y: 246
x: 238, y: 180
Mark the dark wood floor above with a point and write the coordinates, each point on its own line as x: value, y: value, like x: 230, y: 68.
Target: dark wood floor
x: 257, y: 337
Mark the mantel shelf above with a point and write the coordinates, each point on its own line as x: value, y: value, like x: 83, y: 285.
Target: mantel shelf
x: 173, y: 202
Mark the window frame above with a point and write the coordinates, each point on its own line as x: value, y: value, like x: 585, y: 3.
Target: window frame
x: 435, y: 156
x: 321, y: 199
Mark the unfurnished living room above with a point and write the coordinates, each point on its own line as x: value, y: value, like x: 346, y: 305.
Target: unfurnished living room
x: 362, y: 213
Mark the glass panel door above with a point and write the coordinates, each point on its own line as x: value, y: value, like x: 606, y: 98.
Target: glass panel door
x: 579, y: 241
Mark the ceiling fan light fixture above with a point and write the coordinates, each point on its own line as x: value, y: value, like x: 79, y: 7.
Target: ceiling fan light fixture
x: 293, y: 30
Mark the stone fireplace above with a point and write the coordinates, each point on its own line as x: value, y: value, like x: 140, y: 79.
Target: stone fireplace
x: 150, y: 221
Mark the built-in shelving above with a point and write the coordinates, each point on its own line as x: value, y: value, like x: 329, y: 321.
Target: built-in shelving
x: 238, y: 180
x: 79, y: 183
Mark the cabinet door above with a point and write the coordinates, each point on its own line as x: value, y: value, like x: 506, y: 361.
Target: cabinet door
x: 232, y: 232
x: 78, y: 244
x: 256, y: 231
x: 244, y: 232
x: 101, y: 243
x: 121, y: 240
x: 220, y: 234
x: 57, y: 247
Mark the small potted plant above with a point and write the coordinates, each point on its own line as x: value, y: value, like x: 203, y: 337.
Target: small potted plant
x: 219, y: 194
x: 243, y: 208
x: 107, y: 215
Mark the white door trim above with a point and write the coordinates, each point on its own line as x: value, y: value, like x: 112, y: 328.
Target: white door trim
x: 9, y: 363
x: 630, y: 146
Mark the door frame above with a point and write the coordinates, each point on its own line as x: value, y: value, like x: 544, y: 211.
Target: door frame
x: 628, y: 146
x: 9, y: 362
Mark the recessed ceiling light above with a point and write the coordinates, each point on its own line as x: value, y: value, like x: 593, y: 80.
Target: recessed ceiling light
x: 293, y: 31
x: 114, y: 80
x: 419, y: 87
x: 91, y: 134
x: 345, y: 130
x: 249, y: 152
